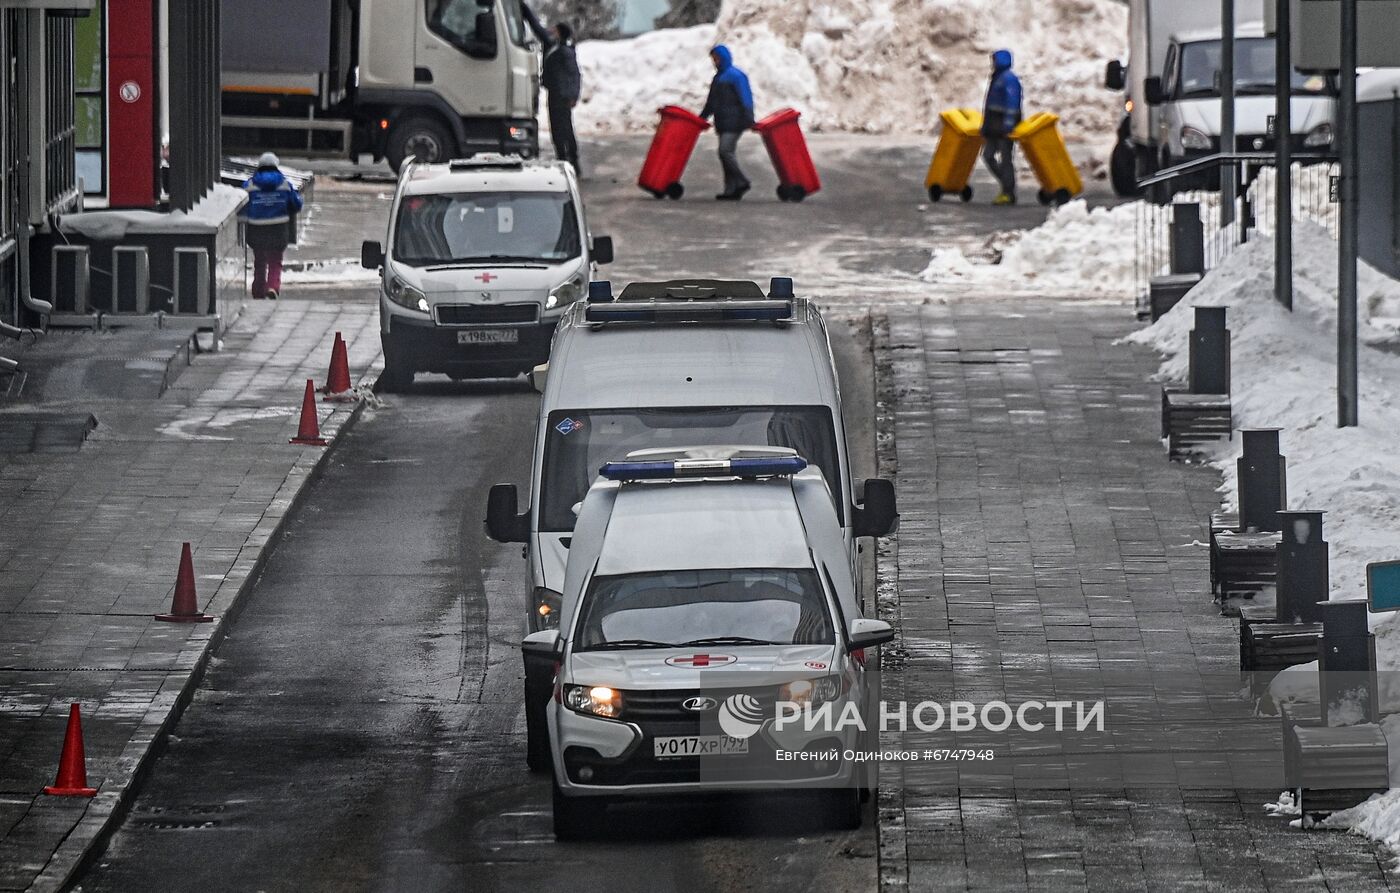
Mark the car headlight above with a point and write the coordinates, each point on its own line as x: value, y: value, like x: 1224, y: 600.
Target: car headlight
x: 593, y: 700
x: 563, y: 295
x: 405, y: 295
x: 1321, y: 135
x: 1195, y: 140
x: 810, y: 691
x: 546, y: 607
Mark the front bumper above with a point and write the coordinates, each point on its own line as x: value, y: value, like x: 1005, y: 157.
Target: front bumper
x: 428, y: 347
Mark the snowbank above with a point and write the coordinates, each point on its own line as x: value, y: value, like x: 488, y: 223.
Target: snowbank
x: 1076, y: 251
x: 877, y: 66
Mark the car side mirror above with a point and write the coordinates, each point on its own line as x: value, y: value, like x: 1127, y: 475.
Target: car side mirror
x: 504, y: 522
x: 864, y: 633
x: 1153, y: 92
x: 546, y: 644
x: 1115, y: 76
x: 602, y: 252
x: 483, y: 42
x: 538, y: 376
x: 371, y: 255
x: 877, y: 515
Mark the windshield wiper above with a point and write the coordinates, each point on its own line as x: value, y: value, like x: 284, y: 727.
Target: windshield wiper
x: 728, y: 640
x: 500, y: 259
x: 619, y: 644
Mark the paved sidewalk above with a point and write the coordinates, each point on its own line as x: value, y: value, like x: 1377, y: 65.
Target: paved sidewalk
x: 1048, y: 549
x: 89, y: 546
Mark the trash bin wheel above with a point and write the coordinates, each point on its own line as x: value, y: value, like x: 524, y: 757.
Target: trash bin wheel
x: 1044, y: 197
x: 657, y: 193
x: 796, y: 193
x: 966, y: 194
x: 1061, y: 196
x: 675, y: 190
x: 935, y: 192
x: 782, y: 193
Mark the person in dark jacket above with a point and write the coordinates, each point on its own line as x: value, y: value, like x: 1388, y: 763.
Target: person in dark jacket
x: 272, y: 203
x: 1000, y: 115
x: 559, y: 75
x: 730, y: 103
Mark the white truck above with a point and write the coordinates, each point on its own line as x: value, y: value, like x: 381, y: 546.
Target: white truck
x: 435, y: 79
x: 1172, y: 91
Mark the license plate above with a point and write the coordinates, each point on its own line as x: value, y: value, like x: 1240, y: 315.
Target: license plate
x: 488, y: 336
x: 698, y: 746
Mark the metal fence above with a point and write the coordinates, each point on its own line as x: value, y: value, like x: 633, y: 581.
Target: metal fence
x: 1255, y: 212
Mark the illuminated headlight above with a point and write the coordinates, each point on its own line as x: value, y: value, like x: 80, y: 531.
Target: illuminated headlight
x: 1321, y: 135
x: 563, y: 295
x: 810, y: 691
x: 594, y: 700
x: 1195, y: 140
x: 405, y: 295
x: 546, y: 607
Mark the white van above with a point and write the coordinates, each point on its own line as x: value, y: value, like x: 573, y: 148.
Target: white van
x: 670, y: 364
x: 483, y: 257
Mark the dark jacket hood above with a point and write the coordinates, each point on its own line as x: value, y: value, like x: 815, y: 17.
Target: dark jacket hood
x: 1001, y: 60
x: 267, y: 178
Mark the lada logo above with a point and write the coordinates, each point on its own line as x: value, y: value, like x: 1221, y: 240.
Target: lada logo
x: 699, y: 705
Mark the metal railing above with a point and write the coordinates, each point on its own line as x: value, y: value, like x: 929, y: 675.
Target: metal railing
x: 1255, y: 208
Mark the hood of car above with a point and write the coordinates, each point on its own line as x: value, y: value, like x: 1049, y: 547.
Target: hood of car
x: 471, y: 282
x: 688, y: 667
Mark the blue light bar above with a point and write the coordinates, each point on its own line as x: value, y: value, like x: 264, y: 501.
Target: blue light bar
x: 780, y: 466
x: 689, y: 311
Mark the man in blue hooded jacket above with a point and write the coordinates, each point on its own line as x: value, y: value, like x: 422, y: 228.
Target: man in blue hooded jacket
x: 272, y: 203
x: 1000, y: 116
x: 730, y: 103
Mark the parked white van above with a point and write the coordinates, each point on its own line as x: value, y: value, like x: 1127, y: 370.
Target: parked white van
x: 671, y: 364
x: 483, y: 257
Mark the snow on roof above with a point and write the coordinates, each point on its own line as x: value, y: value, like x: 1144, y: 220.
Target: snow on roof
x: 1378, y: 84
x: 208, y: 215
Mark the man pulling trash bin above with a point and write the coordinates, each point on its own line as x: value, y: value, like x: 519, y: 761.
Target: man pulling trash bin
x: 559, y: 75
x: 730, y: 103
x: 1000, y: 115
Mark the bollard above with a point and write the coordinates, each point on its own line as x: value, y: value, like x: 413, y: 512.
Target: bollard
x: 70, y: 279
x: 1210, y: 352
x: 1263, y: 484
x: 1188, y: 245
x: 1165, y: 292
x: 131, y: 279
x: 191, y: 281
x: 1347, y: 663
x: 1302, y: 567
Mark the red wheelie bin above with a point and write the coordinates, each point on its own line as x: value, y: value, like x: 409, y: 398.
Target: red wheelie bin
x: 675, y: 139
x: 782, y: 137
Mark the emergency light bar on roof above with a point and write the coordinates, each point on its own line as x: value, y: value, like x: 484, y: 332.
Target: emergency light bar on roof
x: 487, y: 161
x: 690, y: 300
x: 781, y: 466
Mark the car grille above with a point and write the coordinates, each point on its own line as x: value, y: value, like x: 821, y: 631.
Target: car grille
x: 486, y: 314
x: 665, y: 704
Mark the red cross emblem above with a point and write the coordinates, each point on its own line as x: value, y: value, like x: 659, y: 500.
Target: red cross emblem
x: 487, y: 277
x: 701, y: 660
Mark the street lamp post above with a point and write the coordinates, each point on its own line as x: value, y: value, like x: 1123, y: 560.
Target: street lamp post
x: 1283, y: 151
x: 1348, y: 223
x: 1227, y: 109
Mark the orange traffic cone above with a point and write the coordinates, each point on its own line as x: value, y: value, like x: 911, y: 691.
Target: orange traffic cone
x: 184, y: 607
x: 72, y: 765
x: 338, y: 378
x: 309, y: 431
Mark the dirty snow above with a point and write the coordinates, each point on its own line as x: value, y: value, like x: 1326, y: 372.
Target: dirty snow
x: 877, y: 66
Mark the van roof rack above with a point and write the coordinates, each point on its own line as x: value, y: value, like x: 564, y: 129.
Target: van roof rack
x: 690, y: 300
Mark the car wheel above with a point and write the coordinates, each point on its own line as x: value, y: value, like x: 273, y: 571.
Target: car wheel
x: 843, y: 808
x: 1122, y: 169
x: 397, y: 377
x: 423, y: 138
x: 537, y: 694
x: 576, y: 818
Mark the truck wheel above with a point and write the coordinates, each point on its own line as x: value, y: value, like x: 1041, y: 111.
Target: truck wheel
x: 423, y: 138
x: 935, y: 193
x: 1122, y: 170
x: 537, y: 695
x: 575, y: 818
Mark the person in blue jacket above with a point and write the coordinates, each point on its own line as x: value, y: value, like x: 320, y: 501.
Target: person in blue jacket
x: 272, y: 203
x: 1000, y: 115
x: 730, y: 103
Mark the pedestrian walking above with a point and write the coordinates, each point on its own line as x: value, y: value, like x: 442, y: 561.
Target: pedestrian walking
x: 560, y: 77
x: 272, y: 203
x: 730, y: 103
x: 1000, y: 115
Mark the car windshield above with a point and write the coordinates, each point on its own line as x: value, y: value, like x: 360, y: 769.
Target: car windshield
x: 578, y: 442
x: 1254, y: 70
x: 486, y: 227
x: 733, y: 607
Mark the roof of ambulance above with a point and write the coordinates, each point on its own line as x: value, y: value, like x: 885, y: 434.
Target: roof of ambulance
x: 694, y: 525
x: 740, y: 363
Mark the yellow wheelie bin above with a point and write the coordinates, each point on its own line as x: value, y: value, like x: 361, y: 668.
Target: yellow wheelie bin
x: 956, y: 154
x: 1045, y: 150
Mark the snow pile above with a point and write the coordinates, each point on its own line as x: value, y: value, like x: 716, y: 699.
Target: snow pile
x: 1075, y: 251
x: 876, y: 66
